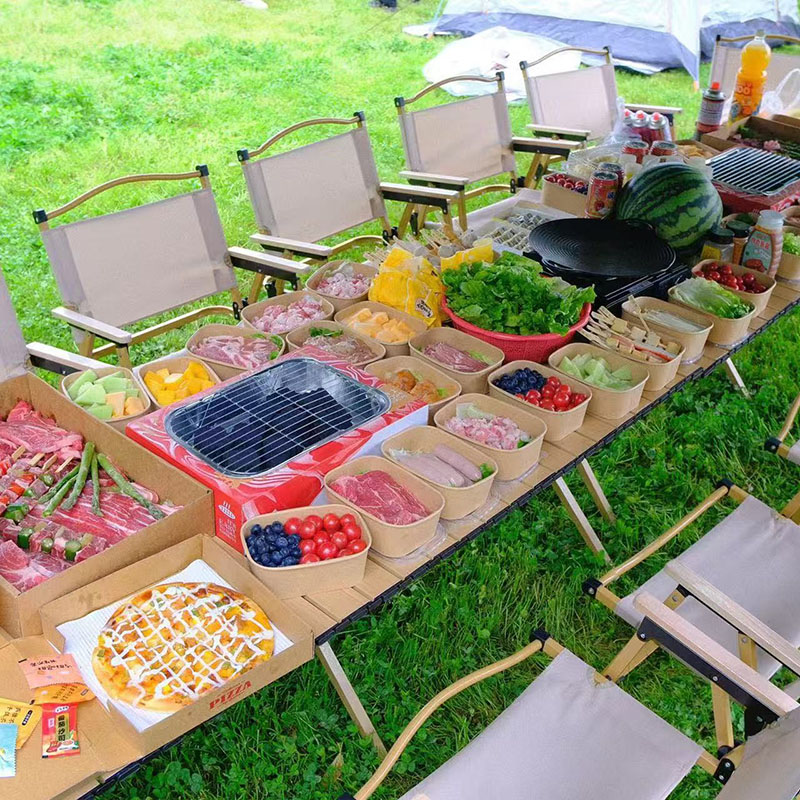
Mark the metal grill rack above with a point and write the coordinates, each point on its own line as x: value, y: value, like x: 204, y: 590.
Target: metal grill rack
x: 263, y: 421
x: 753, y: 171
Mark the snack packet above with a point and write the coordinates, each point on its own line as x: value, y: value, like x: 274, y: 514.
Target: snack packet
x: 55, y: 680
x: 24, y: 716
x: 60, y: 730
x: 8, y: 751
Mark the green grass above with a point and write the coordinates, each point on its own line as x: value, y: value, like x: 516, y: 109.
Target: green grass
x: 121, y: 86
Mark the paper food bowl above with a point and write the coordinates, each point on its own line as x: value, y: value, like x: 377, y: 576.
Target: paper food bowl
x: 511, y: 464
x: 401, y: 349
x: 173, y: 364
x: 224, y: 369
x: 692, y: 342
x: 296, y: 338
x: 390, y: 540
x: 759, y: 301
x: 424, y: 369
x: 120, y: 422
x: 789, y: 268
x: 458, y: 501
x: 564, y: 199
x: 322, y: 576
x: 724, y: 331
x: 469, y: 381
x: 253, y: 312
x: 559, y: 423
x: 606, y: 403
x: 340, y: 303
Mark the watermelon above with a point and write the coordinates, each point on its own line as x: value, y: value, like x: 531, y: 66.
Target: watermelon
x: 679, y: 201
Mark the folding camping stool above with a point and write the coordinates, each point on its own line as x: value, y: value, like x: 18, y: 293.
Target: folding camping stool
x: 123, y: 267
x: 737, y: 584
x: 455, y: 144
x: 573, y: 734
x: 777, y: 444
x: 318, y: 190
x: 579, y: 105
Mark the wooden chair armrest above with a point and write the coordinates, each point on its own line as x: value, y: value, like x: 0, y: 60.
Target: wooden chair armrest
x: 305, y: 249
x: 791, y: 417
x: 54, y: 359
x: 267, y: 263
x: 741, y: 619
x: 566, y: 133
x: 443, y: 181
x: 429, y: 195
x: 723, y: 662
x: 83, y: 323
x: 553, y: 147
x: 673, y: 110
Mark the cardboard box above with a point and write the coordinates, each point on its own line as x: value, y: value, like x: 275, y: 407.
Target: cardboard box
x: 19, y: 612
x: 770, y: 128
x: 108, y: 740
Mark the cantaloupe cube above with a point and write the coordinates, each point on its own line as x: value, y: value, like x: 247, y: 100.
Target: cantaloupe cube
x: 380, y: 318
x: 364, y: 315
x: 117, y: 402
x: 133, y: 405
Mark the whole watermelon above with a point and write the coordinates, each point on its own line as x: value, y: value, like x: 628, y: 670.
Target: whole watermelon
x: 679, y: 202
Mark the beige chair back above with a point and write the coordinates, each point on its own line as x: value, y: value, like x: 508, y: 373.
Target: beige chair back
x: 585, y: 99
x: 13, y: 353
x: 465, y: 138
x: 317, y: 190
x: 133, y: 264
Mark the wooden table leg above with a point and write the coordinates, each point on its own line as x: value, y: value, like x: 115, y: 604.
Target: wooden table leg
x: 735, y: 377
x: 596, y: 491
x: 576, y: 514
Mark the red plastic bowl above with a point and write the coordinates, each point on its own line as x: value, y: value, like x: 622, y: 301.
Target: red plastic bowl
x: 527, y: 348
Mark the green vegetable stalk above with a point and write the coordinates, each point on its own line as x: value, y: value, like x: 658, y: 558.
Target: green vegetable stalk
x: 55, y: 501
x: 83, y: 474
x: 791, y: 244
x: 127, y: 488
x: 51, y: 493
x: 96, y: 510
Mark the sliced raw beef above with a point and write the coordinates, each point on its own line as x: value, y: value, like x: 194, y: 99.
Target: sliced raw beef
x: 454, y: 358
x: 238, y: 351
x: 16, y: 568
x: 379, y: 494
x: 9, y: 530
x: 97, y: 545
x: 282, y: 319
x: 27, y: 428
x: 48, y: 565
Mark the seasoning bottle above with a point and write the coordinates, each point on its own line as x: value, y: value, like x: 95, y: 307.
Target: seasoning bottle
x: 741, y: 230
x: 710, y: 117
x: 718, y: 245
x: 765, y: 244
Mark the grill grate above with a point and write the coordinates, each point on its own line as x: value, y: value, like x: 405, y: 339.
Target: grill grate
x: 753, y: 171
x: 262, y: 421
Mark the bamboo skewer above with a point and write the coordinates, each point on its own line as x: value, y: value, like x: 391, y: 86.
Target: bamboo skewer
x: 615, y: 334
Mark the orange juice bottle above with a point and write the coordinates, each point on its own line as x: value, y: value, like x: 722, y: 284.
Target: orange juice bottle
x: 751, y: 78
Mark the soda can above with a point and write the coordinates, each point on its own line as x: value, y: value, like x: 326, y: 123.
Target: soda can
x: 663, y: 148
x: 611, y: 166
x: 602, y: 195
x: 636, y: 148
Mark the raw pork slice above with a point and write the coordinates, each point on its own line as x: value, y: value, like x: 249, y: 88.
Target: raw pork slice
x: 453, y: 357
x: 237, y: 351
x: 16, y: 568
x: 379, y: 494
x: 27, y: 428
x: 282, y: 319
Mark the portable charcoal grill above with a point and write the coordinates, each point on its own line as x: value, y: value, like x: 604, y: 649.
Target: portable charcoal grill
x: 749, y: 179
x: 268, y: 418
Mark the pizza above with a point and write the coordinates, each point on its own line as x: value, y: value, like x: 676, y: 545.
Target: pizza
x: 163, y: 648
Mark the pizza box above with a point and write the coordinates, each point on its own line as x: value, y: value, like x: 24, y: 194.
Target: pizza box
x: 770, y: 128
x: 19, y: 612
x: 4, y: 638
x: 112, y: 589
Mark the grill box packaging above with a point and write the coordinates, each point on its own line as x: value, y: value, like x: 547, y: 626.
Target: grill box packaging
x: 108, y: 740
x: 19, y: 611
x: 265, y: 440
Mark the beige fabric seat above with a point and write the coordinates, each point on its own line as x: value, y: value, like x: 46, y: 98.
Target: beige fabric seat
x: 567, y: 737
x: 752, y: 556
x: 794, y: 453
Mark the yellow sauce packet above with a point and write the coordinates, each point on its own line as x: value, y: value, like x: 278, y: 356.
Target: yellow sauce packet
x: 24, y: 715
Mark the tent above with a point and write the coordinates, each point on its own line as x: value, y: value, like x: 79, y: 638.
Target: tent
x: 646, y: 36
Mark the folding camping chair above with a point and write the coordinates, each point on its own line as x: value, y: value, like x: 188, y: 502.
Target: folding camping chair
x: 777, y: 444
x: 579, y: 105
x: 123, y: 267
x: 727, y: 57
x: 318, y: 190
x: 737, y: 584
x: 458, y: 143
x: 572, y: 734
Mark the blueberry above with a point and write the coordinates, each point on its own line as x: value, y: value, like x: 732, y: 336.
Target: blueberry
x: 289, y: 561
x: 294, y: 538
x: 296, y: 552
x: 270, y: 538
x: 276, y: 527
x: 275, y: 559
x: 256, y: 530
x: 281, y: 541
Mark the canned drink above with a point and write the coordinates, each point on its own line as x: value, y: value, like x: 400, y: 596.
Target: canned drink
x: 602, y: 195
x: 637, y: 148
x: 658, y: 128
x: 663, y: 148
x: 611, y: 166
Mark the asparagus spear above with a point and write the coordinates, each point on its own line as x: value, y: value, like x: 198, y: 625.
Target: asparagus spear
x: 51, y: 492
x: 127, y: 488
x: 96, y: 488
x: 83, y: 473
x: 59, y: 496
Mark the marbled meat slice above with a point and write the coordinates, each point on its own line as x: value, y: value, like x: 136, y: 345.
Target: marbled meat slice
x: 379, y: 494
x: 454, y: 358
x: 238, y: 351
x: 27, y: 428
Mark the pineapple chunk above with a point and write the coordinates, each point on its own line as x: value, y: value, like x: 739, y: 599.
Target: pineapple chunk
x: 165, y: 397
x: 163, y: 373
x: 172, y: 379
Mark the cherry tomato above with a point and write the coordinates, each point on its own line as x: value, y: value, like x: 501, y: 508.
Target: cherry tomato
x: 357, y: 545
x: 547, y: 405
x: 724, y: 269
x: 553, y: 381
x: 330, y: 522
x: 310, y: 558
x: 352, y: 531
x: 307, y: 546
x: 577, y: 399
x: 548, y: 391
x: 347, y: 519
x: 316, y: 520
x: 345, y: 551
x: 292, y: 525
x: 533, y: 394
x: 562, y: 400
x: 327, y: 551
x: 713, y: 275
x: 339, y: 538
x: 321, y: 538
x: 307, y: 530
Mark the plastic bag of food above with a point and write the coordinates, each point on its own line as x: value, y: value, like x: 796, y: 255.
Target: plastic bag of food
x: 411, y: 284
x: 481, y: 250
x: 784, y: 98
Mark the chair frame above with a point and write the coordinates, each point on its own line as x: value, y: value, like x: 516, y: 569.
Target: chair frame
x: 519, y: 144
x: 647, y: 638
x: 119, y: 339
x: 312, y: 254
x: 777, y: 444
